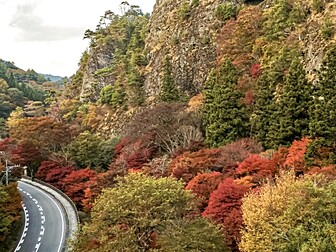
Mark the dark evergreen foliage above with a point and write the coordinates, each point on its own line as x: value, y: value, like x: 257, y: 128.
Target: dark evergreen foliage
x: 169, y: 91
x: 225, y: 116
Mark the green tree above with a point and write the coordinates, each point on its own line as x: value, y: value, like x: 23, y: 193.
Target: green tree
x: 169, y: 91
x: 292, y: 107
x: 322, y: 111
x: 106, y: 94
x: 322, y: 125
x: 225, y: 116
x: 268, y: 122
x: 141, y: 212
x: 292, y: 214
x: 86, y: 151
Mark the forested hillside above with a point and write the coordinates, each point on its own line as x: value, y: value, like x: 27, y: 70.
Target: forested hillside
x: 205, y: 126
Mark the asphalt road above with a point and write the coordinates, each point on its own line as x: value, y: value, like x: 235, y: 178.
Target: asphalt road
x: 45, y: 224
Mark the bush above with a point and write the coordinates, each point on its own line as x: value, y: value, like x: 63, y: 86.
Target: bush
x: 226, y: 11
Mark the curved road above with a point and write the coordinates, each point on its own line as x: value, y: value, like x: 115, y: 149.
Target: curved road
x: 45, y: 224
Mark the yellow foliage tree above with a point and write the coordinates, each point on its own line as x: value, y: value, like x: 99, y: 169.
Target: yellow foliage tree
x: 291, y: 214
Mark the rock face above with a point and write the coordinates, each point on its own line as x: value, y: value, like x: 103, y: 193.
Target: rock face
x: 98, y: 58
x: 186, y: 31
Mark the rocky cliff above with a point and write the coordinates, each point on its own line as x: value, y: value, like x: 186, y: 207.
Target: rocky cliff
x: 187, y: 32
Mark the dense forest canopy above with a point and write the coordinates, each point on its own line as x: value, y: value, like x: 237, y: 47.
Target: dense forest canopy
x: 208, y: 113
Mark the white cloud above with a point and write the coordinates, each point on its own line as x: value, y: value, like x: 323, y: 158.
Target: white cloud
x: 46, y: 35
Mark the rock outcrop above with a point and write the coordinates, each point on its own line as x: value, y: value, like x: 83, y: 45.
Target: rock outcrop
x: 186, y: 31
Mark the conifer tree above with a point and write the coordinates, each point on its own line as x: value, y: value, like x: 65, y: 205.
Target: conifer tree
x: 169, y: 91
x: 225, y: 117
x: 263, y: 114
x: 322, y: 125
x: 292, y: 108
x: 268, y: 125
x: 323, y: 109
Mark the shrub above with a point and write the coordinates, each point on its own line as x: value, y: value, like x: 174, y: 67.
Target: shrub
x: 226, y: 11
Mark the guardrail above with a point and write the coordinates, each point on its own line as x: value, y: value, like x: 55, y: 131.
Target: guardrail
x: 57, y: 190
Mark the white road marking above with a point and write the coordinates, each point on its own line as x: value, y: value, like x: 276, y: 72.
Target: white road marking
x: 42, y: 230
x: 18, y: 247
x: 61, y: 214
x: 37, y: 247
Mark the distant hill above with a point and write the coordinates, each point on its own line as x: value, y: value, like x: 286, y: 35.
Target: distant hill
x: 52, y: 78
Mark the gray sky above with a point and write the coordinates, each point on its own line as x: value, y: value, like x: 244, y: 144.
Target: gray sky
x: 47, y: 35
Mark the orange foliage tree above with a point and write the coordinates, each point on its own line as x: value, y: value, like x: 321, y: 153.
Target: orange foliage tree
x: 46, y: 133
x: 76, y: 182
x: 256, y: 168
x: 203, y: 185
x: 189, y: 164
x: 53, y: 173
x: 225, y: 208
x: 295, y: 156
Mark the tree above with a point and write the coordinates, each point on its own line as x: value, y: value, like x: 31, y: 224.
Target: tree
x: 266, y: 116
x: 257, y: 169
x: 140, y: 213
x: 224, y: 208
x: 293, y: 105
x: 90, y: 150
x: 225, y: 117
x: 10, y: 217
x: 45, y: 133
x: 169, y: 91
x: 296, y: 153
x: 187, y: 165
x: 53, y: 173
x: 292, y: 214
x: 322, y: 111
x: 203, y: 185
x: 76, y: 182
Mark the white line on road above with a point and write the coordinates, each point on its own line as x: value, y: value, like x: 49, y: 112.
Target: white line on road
x: 42, y: 230
x: 18, y: 247
x: 62, y: 216
x: 37, y: 247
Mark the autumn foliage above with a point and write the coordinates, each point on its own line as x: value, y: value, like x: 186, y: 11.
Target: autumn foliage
x: 225, y: 208
x: 203, y: 185
x: 257, y: 168
x: 295, y: 156
x: 75, y: 184
x: 53, y: 173
x: 189, y: 164
x: 10, y: 207
x: 97, y: 184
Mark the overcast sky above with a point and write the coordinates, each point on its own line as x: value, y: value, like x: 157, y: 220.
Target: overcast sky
x: 47, y: 35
